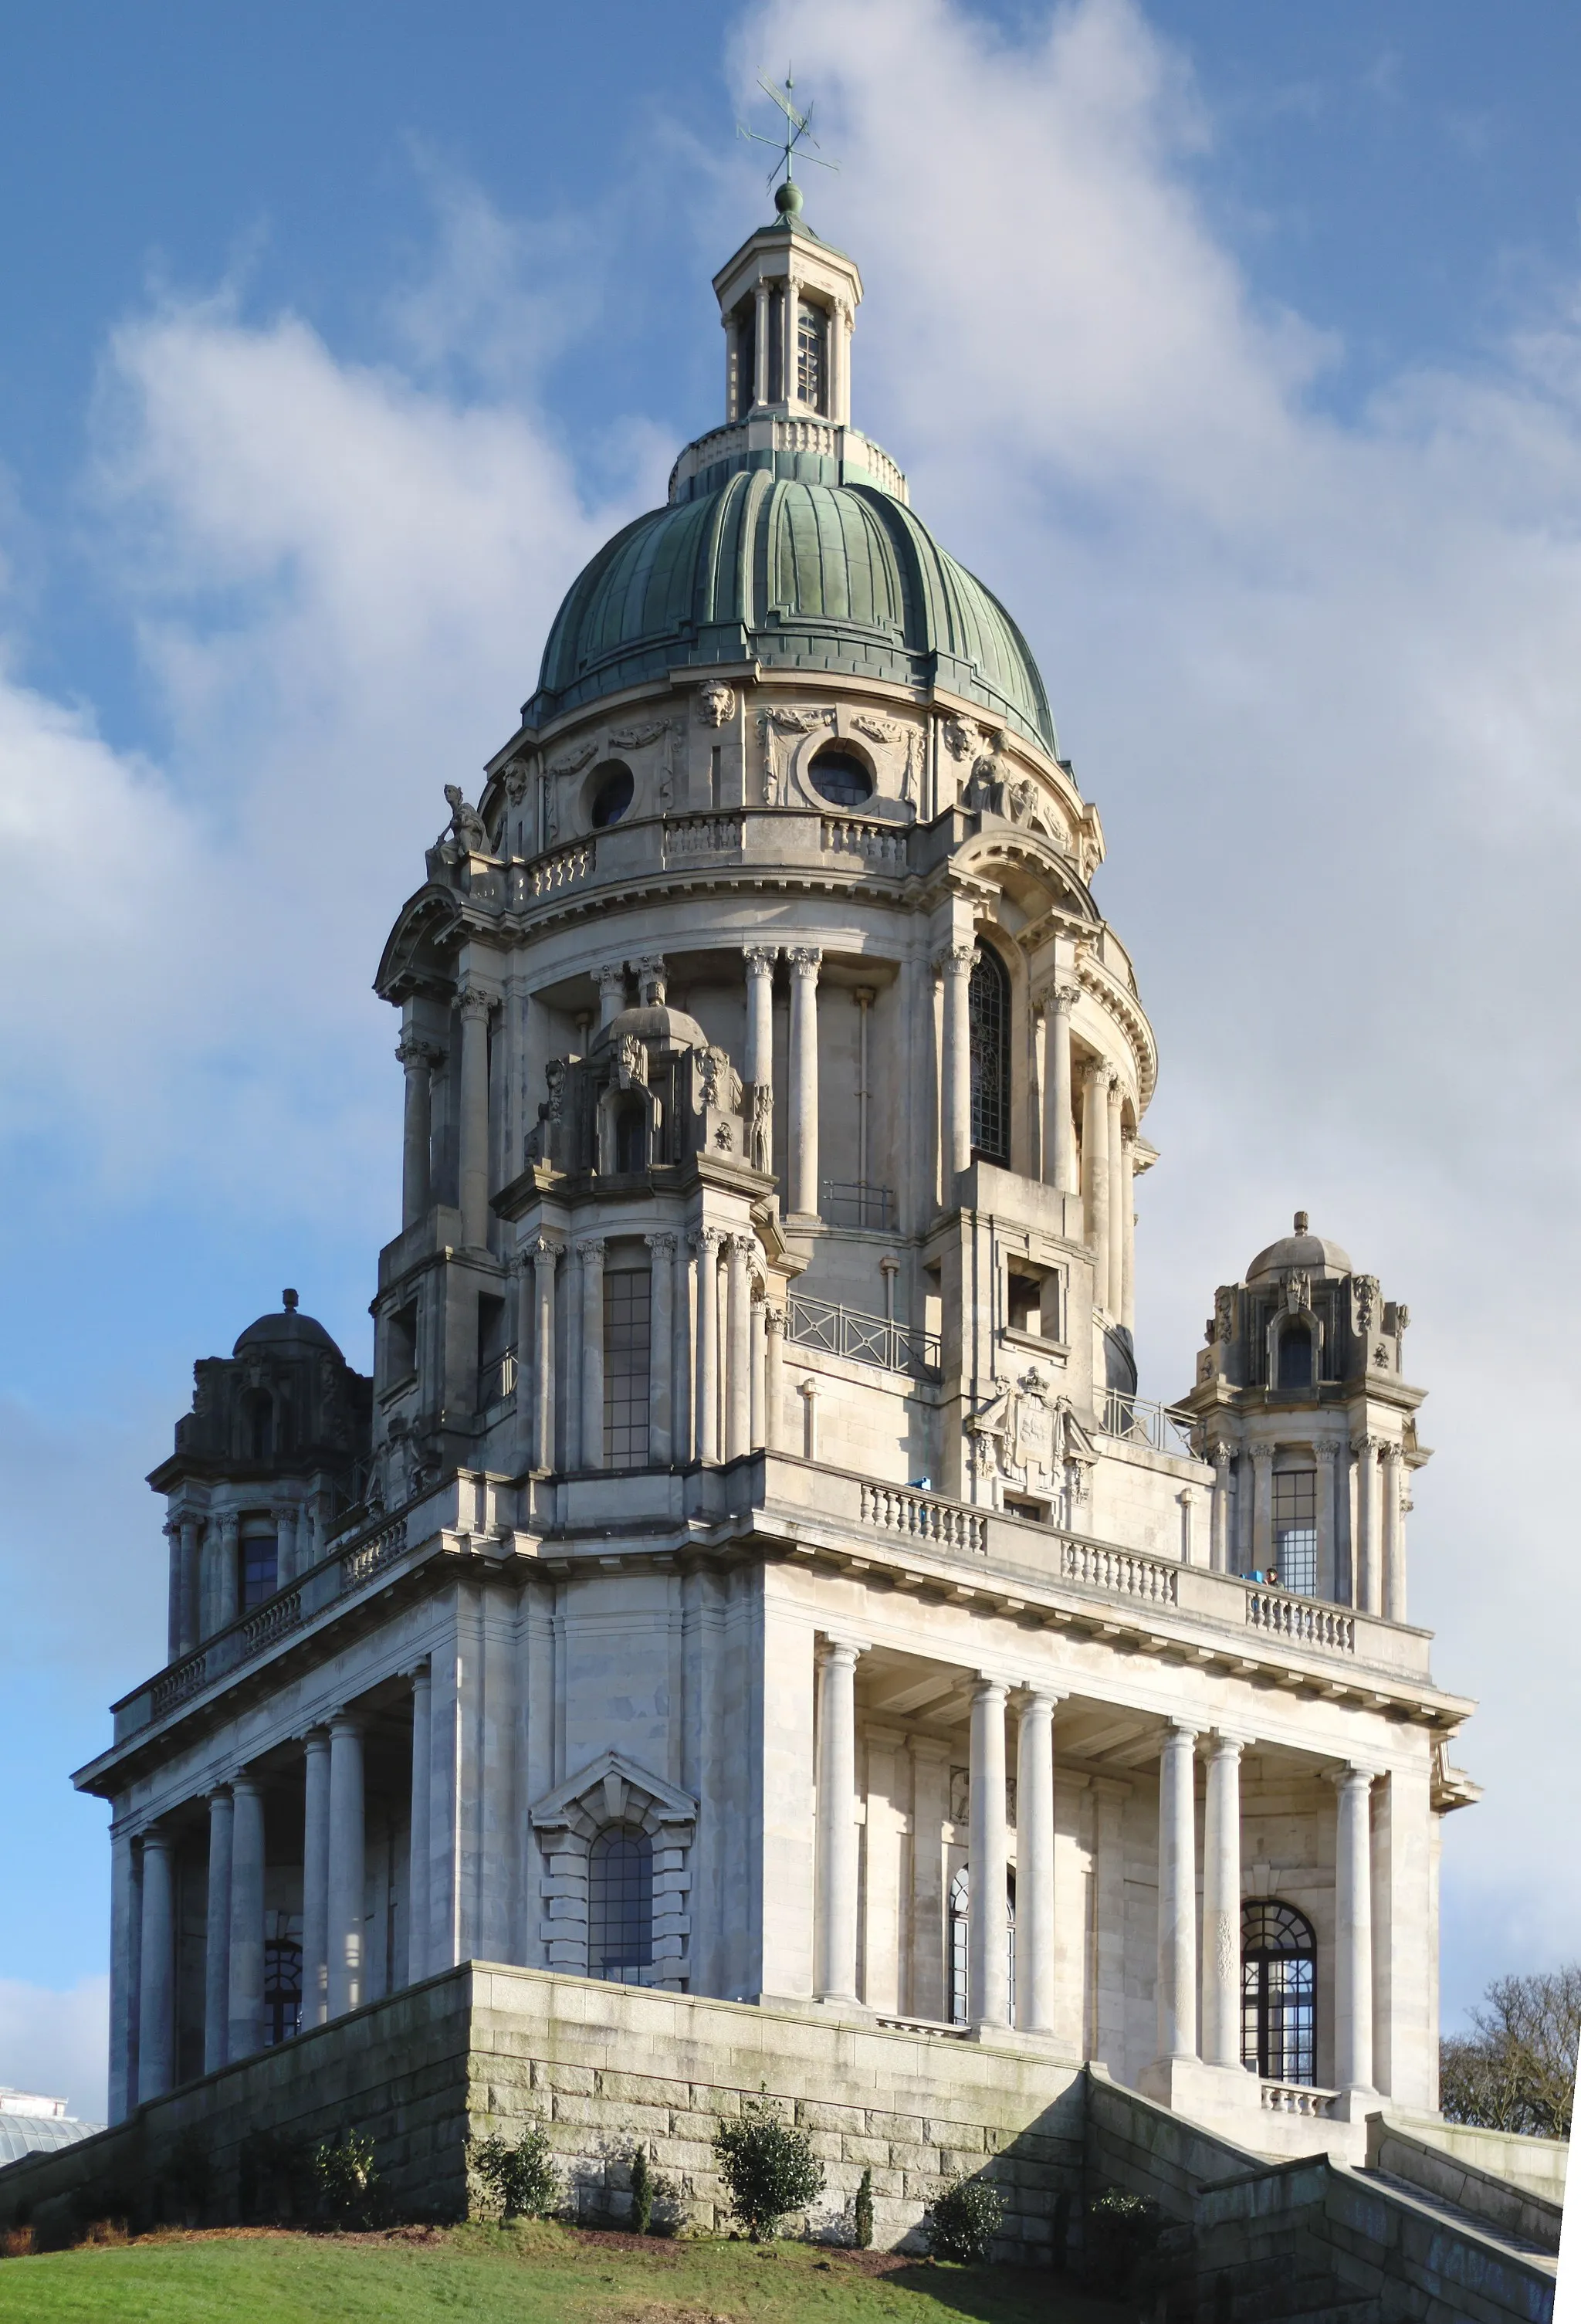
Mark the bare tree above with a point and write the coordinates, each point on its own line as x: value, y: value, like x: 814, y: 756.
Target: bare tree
x: 1516, y: 2070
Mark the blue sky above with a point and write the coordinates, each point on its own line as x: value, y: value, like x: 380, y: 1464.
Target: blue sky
x: 1237, y: 346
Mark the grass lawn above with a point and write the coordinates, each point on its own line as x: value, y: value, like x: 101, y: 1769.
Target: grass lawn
x: 539, y: 2274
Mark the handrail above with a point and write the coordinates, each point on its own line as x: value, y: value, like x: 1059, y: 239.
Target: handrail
x: 872, y: 1205
x: 497, y: 1380
x: 862, y: 1338
x: 1138, y: 1420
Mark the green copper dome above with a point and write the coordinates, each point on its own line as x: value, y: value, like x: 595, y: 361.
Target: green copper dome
x: 830, y: 577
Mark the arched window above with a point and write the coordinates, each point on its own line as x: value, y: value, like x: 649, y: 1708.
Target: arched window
x: 988, y: 1017
x: 631, y: 1139
x: 1295, y: 1358
x: 960, y: 1943
x: 1279, y: 1975
x: 619, y: 1906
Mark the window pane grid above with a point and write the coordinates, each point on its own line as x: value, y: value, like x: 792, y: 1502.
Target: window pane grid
x: 1295, y: 1530
x: 620, y: 1907
x: 627, y: 1295
x: 1278, y: 1988
x: 988, y: 1022
x: 260, y: 1569
x: 810, y: 352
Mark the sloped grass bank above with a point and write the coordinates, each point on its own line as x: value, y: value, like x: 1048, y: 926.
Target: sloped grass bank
x: 538, y: 2275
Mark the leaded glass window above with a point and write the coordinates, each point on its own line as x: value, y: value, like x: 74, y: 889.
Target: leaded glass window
x: 1295, y: 1530
x: 1279, y: 1975
x: 812, y: 355
x: 282, y: 1978
x: 960, y: 1944
x: 260, y: 1568
x: 619, y: 1906
x: 627, y: 1297
x: 988, y: 1022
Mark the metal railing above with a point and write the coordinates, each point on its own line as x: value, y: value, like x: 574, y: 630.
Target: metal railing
x: 497, y: 1380
x: 852, y: 1202
x: 1137, y: 1420
x: 860, y: 1339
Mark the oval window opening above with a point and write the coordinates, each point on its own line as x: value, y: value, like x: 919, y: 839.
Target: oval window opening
x: 840, y: 777
x: 613, y: 797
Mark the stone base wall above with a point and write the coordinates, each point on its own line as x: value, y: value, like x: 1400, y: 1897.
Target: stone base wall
x: 605, y: 2067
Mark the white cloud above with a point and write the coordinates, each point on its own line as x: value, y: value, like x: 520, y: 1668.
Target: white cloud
x: 55, y: 2044
x: 1323, y: 680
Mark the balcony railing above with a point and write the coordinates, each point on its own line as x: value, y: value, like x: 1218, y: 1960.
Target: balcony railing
x: 860, y: 1339
x: 852, y: 1202
x: 1136, y: 1420
x: 497, y: 1380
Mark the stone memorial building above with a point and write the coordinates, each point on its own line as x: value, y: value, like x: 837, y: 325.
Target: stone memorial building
x: 751, y: 1571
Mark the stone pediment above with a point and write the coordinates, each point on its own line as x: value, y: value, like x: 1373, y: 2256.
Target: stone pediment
x: 613, y: 1789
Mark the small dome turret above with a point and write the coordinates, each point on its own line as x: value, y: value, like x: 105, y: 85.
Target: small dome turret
x: 286, y: 1330
x: 1302, y: 1249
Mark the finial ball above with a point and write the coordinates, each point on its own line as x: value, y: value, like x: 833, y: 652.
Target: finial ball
x: 1301, y: 1222
x: 289, y: 1298
x: 787, y: 199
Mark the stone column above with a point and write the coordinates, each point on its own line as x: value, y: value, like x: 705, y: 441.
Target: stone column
x: 216, y: 1934
x: 418, y: 1060
x: 610, y: 980
x: 773, y: 1378
x: 543, y: 1255
x: 1328, y: 1529
x: 1353, y: 1933
x: 808, y: 1392
x: 191, y: 1584
x: 473, y: 1165
x: 418, y: 1915
x: 1263, y: 1509
x: 1177, y: 1896
x: 987, y: 1925
x: 316, y: 1880
x: 227, y: 1579
x: 759, y: 1067
x: 928, y: 1995
x: 590, y: 1255
x: 955, y: 964
x: 834, y: 1975
x: 1059, y: 1123
x: 1343, y: 1550
x: 760, y: 1366
x: 1369, y: 1578
x: 246, y: 2012
x: 705, y: 1241
x: 682, y: 1362
x: 1035, y: 1863
x: 1129, y: 1229
x: 156, y: 2000
x: 660, y: 1347
x: 760, y: 392
x: 803, y: 1150
x: 1118, y: 1205
x: 1218, y: 1555
x: 1095, y: 1173
x: 1393, y: 1534
x: 172, y: 1534
x: 347, y: 1976
x: 1221, y: 1906
x: 738, y: 1429
x: 126, y: 1937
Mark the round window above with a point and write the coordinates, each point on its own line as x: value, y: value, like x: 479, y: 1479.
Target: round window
x: 840, y: 777
x: 611, y: 794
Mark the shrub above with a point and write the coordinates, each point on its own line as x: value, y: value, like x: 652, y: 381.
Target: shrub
x: 521, y: 2179
x: 16, y: 2242
x: 963, y: 2223
x: 1119, y: 2239
x: 642, y: 2192
x: 348, y: 2184
x: 863, y: 2222
x: 769, y: 2168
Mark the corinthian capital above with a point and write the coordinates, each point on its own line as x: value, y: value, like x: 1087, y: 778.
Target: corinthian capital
x: 662, y: 1246
x: 473, y: 1003
x: 1063, y: 998
x: 806, y: 960
x: 590, y: 1251
x: 705, y: 1239
x: 956, y: 959
x: 761, y: 959
x: 413, y: 1051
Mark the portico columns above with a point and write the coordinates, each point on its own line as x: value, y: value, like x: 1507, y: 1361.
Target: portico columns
x: 1263, y: 1509
x: 705, y: 1242
x: 803, y: 1154
x: 544, y: 1256
x: 1035, y: 1862
x: 738, y: 1428
x: 1218, y: 1555
x: 1177, y: 1896
x: 1369, y: 1579
x: 1393, y: 1534
x: 418, y: 1060
x: 1221, y: 1906
x: 987, y: 1919
x: 316, y: 1878
x: 955, y: 964
x: 226, y: 1577
x: 417, y: 1914
x: 246, y: 2012
x: 1128, y: 1228
x: 1095, y: 1175
x: 773, y: 1377
x: 1353, y: 1952
x: 473, y: 1162
x: 835, y: 1975
x: 1115, y: 1302
x: 1058, y: 1133
x: 590, y: 1254
x: 156, y: 1999
x: 347, y: 1981
x: 759, y: 1067
x: 191, y: 1585
x: 217, y: 1940
x: 660, y: 1339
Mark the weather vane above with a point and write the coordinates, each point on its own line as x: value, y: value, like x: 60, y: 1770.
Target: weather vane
x: 798, y: 127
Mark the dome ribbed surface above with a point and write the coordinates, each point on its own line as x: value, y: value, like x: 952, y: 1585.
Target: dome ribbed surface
x: 841, y: 578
